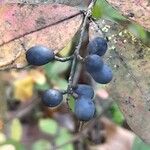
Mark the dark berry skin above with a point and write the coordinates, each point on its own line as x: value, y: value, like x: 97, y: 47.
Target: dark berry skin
x: 39, y: 55
x: 84, y: 90
x: 52, y: 98
x: 84, y: 109
x: 97, y: 46
x: 93, y: 63
x: 104, y: 75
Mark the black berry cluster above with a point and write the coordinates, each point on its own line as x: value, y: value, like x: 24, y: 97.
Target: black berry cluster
x: 84, y: 104
x: 84, y: 108
x: 94, y: 64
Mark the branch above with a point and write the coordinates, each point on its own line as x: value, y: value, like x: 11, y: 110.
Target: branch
x: 77, y: 50
x: 63, y: 59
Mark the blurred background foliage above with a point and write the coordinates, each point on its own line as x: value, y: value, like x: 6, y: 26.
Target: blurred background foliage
x: 103, y: 10
x: 40, y: 128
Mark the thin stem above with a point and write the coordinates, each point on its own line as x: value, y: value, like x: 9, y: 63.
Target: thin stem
x: 81, y: 123
x: 77, y: 74
x: 63, y: 59
x: 77, y: 50
x: 70, y: 80
x: 82, y: 33
x: 73, y: 68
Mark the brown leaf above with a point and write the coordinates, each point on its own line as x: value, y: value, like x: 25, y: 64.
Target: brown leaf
x: 130, y: 61
x: 49, y: 25
x: 76, y: 3
x: 135, y: 10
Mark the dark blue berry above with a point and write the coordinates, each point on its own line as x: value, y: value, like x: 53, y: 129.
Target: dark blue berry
x: 97, y: 46
x: 39, y: 55
x: 52, y: 97
x: 103, y: 76
x: 84, y: 109
x: 84, y: 90
x: 93, y: 63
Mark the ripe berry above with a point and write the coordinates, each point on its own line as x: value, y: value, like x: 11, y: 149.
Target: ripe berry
x: 52, y: 97
x: 93, y: 63
x: 97, y: 46
x: 39, y: 55
x: 103, y: 76
x: 84, y: 109
x: 84, y: 90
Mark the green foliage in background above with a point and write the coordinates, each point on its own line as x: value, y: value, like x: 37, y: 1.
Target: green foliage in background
x: 41, y: 145
x: 116, y: 114
x: 140, y: 145
x: 103, y: 10
x: 16, y: 130
x: 62, y: 135
x: 54, y: 72
x: 14, y: 144
x: 48, y: 126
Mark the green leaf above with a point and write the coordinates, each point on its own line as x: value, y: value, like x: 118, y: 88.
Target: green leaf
x: 41, y: 145
x: 117, y: 116
x: 47, y: 69
x: 59, y: 67
x: 108, y: 11
x: 61, y: 83
x: 11, y: 143
x: 48, y: 126
x: 71, y: 103
x: 97, y: 10
x: 62, y: 138
x: 42, y: 87
x: 66, y: 50
x: 55, y: 69
x: 16, y: 130
x: 140, y: 145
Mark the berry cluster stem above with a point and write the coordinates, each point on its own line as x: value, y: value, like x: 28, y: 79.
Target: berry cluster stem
x: 78, y: 47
